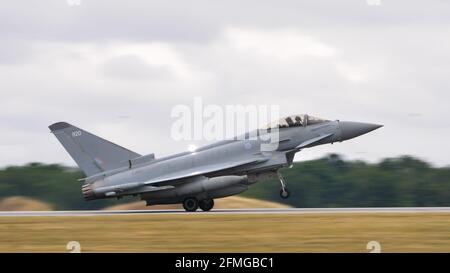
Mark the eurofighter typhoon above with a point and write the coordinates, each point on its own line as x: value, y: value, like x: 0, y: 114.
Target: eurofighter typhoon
x: 195, y: 179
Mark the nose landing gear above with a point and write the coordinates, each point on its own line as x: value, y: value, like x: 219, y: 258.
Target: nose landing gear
x: 284, y: 193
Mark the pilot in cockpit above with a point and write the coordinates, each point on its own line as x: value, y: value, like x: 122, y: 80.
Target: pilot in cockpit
x: 289, y: 122
x: 298, y: 121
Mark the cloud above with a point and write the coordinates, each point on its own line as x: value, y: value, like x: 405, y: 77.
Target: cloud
x: 135, y: 68
x: 282, y: 45
x: 95, y: 63
x: 201, y: 21
x: 15, y: 52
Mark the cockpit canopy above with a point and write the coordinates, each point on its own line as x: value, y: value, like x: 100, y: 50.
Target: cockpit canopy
x: 294, y: 121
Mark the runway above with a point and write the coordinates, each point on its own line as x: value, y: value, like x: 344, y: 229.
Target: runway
x: 228, y: 211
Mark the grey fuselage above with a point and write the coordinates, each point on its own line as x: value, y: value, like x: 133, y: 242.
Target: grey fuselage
x: 210, y: 172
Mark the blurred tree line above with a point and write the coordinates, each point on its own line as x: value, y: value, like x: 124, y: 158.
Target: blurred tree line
x: 326, y: 182
x: 333, y: 182
x: 54, y: 184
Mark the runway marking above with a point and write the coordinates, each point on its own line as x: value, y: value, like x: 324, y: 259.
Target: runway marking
x: 229, y: 211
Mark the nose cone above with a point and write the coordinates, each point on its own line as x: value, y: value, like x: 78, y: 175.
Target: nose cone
x: 350, y: 129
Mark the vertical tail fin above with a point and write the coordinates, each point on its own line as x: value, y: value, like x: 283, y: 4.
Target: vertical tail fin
x: 91, y: 153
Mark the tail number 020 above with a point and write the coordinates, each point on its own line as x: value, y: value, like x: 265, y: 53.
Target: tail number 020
x: 76, y: 133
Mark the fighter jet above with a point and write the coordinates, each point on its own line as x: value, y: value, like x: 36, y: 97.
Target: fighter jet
x: 195, y: 179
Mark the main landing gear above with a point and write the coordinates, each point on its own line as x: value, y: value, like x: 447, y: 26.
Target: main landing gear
x: 192, y: 204
x: 206, y: 204
x: 284, y: 193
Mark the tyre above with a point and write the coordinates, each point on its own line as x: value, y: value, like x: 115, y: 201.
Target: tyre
x: 190, y: 204
x: 206, y: 204
x: 284, y: 193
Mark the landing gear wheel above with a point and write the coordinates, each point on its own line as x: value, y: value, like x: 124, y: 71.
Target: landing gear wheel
x: 284, y: 193
x: 190, y: 204
x: 206, y: 204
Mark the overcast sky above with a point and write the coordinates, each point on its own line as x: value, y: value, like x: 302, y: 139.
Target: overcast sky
x: 117, y: 68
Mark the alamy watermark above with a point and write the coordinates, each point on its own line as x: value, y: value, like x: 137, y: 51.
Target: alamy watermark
x: 373, y: 2
x: 73, y: 247
x: 73, y: 2
x: 374, y: 247
x: 214, y: 122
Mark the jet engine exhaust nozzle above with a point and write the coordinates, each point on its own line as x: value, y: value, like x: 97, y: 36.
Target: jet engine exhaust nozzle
x: 88, y: 192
